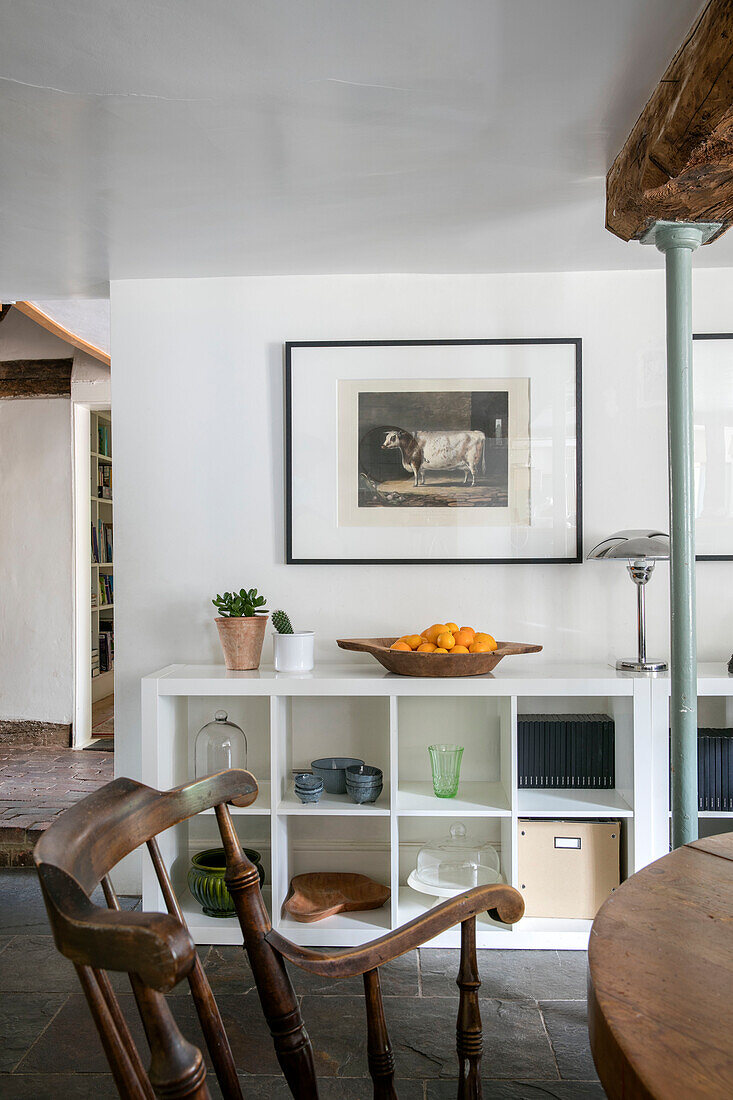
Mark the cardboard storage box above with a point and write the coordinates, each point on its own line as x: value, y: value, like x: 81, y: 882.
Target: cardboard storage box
x: 567, y: 868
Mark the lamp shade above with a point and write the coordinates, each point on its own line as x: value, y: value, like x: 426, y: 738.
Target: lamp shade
x: 633, y: 546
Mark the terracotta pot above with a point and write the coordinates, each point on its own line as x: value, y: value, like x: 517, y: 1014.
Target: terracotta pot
x: 242, y: 639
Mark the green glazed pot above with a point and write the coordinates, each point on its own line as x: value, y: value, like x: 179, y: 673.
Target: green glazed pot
x: 206, y: 880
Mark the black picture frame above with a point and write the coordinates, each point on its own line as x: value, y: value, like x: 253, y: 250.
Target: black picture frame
x: 575, y: 559
x: 712, y: 336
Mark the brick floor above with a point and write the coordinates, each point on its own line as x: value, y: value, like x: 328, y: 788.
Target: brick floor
x: 36, y: 785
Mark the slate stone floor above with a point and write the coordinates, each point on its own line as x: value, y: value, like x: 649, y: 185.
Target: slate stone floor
x: 532, y: 1004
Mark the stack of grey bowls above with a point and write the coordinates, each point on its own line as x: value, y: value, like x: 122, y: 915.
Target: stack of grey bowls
x: 308, y: 788
x: 364, y: 783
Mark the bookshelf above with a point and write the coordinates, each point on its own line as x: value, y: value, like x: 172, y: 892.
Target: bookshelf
x: 102, y: 554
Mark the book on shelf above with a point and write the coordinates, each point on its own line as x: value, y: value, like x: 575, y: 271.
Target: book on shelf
x: 106, y: 589
x: 102, y: 543
x: 103, y: 440
x: 575, y: 751
x: 104, y: 481
x: 714, y: 770
x: 106, y: 649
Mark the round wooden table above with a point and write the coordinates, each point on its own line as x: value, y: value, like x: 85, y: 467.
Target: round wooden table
x: 660, y: 988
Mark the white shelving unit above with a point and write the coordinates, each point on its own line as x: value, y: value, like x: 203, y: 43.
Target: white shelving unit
x: 101, y: 511
x: 714, y: 709
x: 360, y: 710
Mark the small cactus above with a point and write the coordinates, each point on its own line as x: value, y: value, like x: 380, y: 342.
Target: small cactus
x: 281, y: 622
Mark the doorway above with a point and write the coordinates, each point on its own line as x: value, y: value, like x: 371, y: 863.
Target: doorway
x: 94, y: 578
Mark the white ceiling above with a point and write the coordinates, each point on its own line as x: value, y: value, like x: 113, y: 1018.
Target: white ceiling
x: 84, y: 317
x: 156, y: 138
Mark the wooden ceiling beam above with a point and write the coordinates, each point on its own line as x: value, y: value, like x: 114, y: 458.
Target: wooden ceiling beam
x: 35, y: 378
x: 677, y: 162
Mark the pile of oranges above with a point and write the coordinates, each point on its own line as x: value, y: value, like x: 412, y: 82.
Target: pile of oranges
x: 446, y: 638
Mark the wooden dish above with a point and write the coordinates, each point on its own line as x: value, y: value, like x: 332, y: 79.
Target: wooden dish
x: 322, y: 894
x: 434, y: 664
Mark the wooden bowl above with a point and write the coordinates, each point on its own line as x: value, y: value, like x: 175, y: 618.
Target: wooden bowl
x: 322, y: 894
x: 434, y: 664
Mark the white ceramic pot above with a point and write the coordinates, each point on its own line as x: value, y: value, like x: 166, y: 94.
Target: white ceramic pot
x: 293, y: 652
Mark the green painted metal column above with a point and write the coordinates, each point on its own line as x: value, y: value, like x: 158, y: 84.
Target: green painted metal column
x: 678, y: 240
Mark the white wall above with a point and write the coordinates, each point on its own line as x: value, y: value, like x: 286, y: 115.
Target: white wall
x: 36, y: 551
x: 198, y: 434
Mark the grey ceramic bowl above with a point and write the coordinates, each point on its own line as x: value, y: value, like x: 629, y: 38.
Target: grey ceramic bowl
x: 360, y: 793
x: 308, y: 788
x: 363, y: 775
x: 332, y: 770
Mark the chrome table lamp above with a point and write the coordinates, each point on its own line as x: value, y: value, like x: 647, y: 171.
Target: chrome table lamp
x: 640, y: 549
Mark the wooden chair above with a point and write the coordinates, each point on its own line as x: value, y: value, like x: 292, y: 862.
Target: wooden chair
x: 78, y: 851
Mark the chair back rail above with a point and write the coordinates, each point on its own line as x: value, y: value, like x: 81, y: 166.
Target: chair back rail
x: 77, y: 853
x: 95, y: 834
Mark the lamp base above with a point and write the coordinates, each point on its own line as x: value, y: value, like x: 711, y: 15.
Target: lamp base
x: 631, y: 665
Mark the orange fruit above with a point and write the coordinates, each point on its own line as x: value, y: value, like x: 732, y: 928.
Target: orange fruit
x: 439, y: 650
x: 479, y: 647
x: 414, y: 640
x: 486, y: 639
x: 459, y: 649
x: 452, y: 627
x: 464, y: 637
x: 469, y: 630
x: 433, y: 631
x: 403, y: 647
x: 426, y: 647
x: 446, y: 640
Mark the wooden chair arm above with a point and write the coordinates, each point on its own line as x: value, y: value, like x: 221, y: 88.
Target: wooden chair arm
x: 155, y: 946
x: 502, y: 903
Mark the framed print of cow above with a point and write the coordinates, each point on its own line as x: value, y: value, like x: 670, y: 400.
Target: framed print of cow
x: 442, y: 451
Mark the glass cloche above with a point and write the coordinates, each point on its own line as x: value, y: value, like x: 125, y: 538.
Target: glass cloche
x: 220, y: 745
x: 455, y: 863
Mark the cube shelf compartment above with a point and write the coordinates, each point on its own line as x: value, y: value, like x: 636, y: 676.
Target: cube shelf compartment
x: 358, y: 710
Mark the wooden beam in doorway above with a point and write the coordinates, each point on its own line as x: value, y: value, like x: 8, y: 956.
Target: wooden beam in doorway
x: 43, y: 319
x: 677, y: 162
x: 35, y: 378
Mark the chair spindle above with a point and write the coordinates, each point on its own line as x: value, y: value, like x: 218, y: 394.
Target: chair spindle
x: 277, y: 996
x: 203, y: 998
x: 123, y: 1030
x: 469, y: 1037
x: 127, y: 1069
x: 177, y: 1069
x: 379, y: 1049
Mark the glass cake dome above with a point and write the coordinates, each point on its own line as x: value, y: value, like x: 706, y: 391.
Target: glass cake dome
x: 456, y: 862
x: 220, y: 745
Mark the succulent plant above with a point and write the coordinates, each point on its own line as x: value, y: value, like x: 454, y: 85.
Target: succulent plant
x: 238, y: 605
x: 281, y: 622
